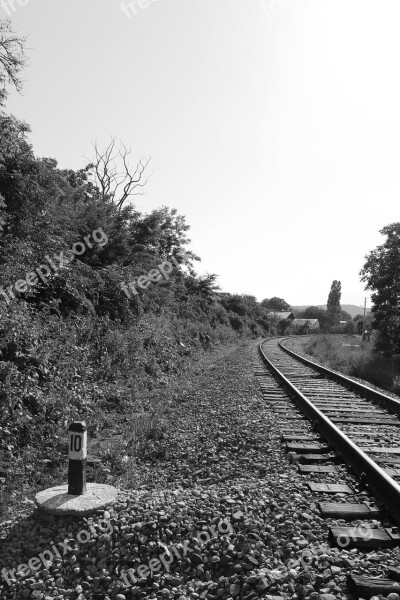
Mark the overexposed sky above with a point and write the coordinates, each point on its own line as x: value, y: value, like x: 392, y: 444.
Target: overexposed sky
x: 273, y: 125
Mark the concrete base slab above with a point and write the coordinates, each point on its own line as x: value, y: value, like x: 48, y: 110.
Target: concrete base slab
x: 57, y: 501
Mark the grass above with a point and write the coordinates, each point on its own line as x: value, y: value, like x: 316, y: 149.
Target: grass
x: 350, y: 355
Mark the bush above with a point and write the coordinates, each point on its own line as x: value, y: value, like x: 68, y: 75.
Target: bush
x: 351, y: 356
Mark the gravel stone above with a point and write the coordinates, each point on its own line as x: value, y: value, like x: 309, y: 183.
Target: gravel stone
x: 226, y: 515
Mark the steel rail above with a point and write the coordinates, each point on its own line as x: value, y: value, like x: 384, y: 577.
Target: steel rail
x: 384, y: 488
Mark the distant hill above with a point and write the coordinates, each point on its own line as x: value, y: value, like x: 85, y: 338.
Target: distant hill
x: 352, y: 309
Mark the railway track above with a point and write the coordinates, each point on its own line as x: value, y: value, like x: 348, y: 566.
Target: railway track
x: 345, y: 438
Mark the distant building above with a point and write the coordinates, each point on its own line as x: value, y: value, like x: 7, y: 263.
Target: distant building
x: 312, y: 324
x: 282, y: 315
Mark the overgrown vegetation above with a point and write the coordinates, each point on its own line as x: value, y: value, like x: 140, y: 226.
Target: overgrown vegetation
x: 330, y: 318
x: 356, y: 358
x: 101, y: 309
x: 333, y: 319
x: 276, y: 304
x: 333, y: 307
x: 381, y: 274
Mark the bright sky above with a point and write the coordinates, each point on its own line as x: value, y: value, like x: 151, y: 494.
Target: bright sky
x: 273, y: 125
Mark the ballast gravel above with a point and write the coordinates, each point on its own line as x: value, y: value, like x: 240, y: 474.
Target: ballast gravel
x: 228, y: 516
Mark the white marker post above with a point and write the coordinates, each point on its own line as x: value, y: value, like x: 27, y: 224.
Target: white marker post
x: 77, y: 458
x: 76, y: 498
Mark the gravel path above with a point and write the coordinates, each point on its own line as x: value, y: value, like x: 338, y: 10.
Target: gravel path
x: 228, y: 516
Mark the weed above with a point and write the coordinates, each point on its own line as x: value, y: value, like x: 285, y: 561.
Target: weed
x: 352, y: 356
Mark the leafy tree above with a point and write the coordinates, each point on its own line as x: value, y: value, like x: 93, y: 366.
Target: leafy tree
x: 333, y: 304
x: 358, y: 318
x: 163, y: 232
x: 250, y: 313
x: 315, y: 312
x: 276, y: 304
x: 344, y: 315
x: 283, y: 326
x: 301, y: 329
x: 359, y: 325
x: 350, y: 328
x: 381, y: 274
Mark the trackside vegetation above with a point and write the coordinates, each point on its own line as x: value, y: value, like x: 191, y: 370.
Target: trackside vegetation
x: 73, y: 343
x: 350, y: 355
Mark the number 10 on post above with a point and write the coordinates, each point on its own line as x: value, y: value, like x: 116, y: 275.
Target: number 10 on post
x: 77, y: 454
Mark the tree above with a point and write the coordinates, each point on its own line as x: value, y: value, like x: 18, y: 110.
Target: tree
x: 12, y: 58
x: 333, y: 304
x: 283, y: 326
x: 245, y: 309
x: 162, y: 232
x: 275, y: 304
x: 381, y: 274
x: 114, y: 175
x: 315, y: 312
x: 358, y: 317
x: 350, y: 328
x: 345, y: 316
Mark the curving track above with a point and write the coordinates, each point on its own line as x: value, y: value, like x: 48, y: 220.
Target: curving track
x: 359, y: 424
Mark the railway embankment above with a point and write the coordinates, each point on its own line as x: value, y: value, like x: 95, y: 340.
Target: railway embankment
x: 225, y: 514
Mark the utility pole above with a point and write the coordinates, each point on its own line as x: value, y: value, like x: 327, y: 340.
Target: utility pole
x: 365, y: 308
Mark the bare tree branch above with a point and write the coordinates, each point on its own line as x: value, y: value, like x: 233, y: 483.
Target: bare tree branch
x: 12, y: 57
x: 114, y: 175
